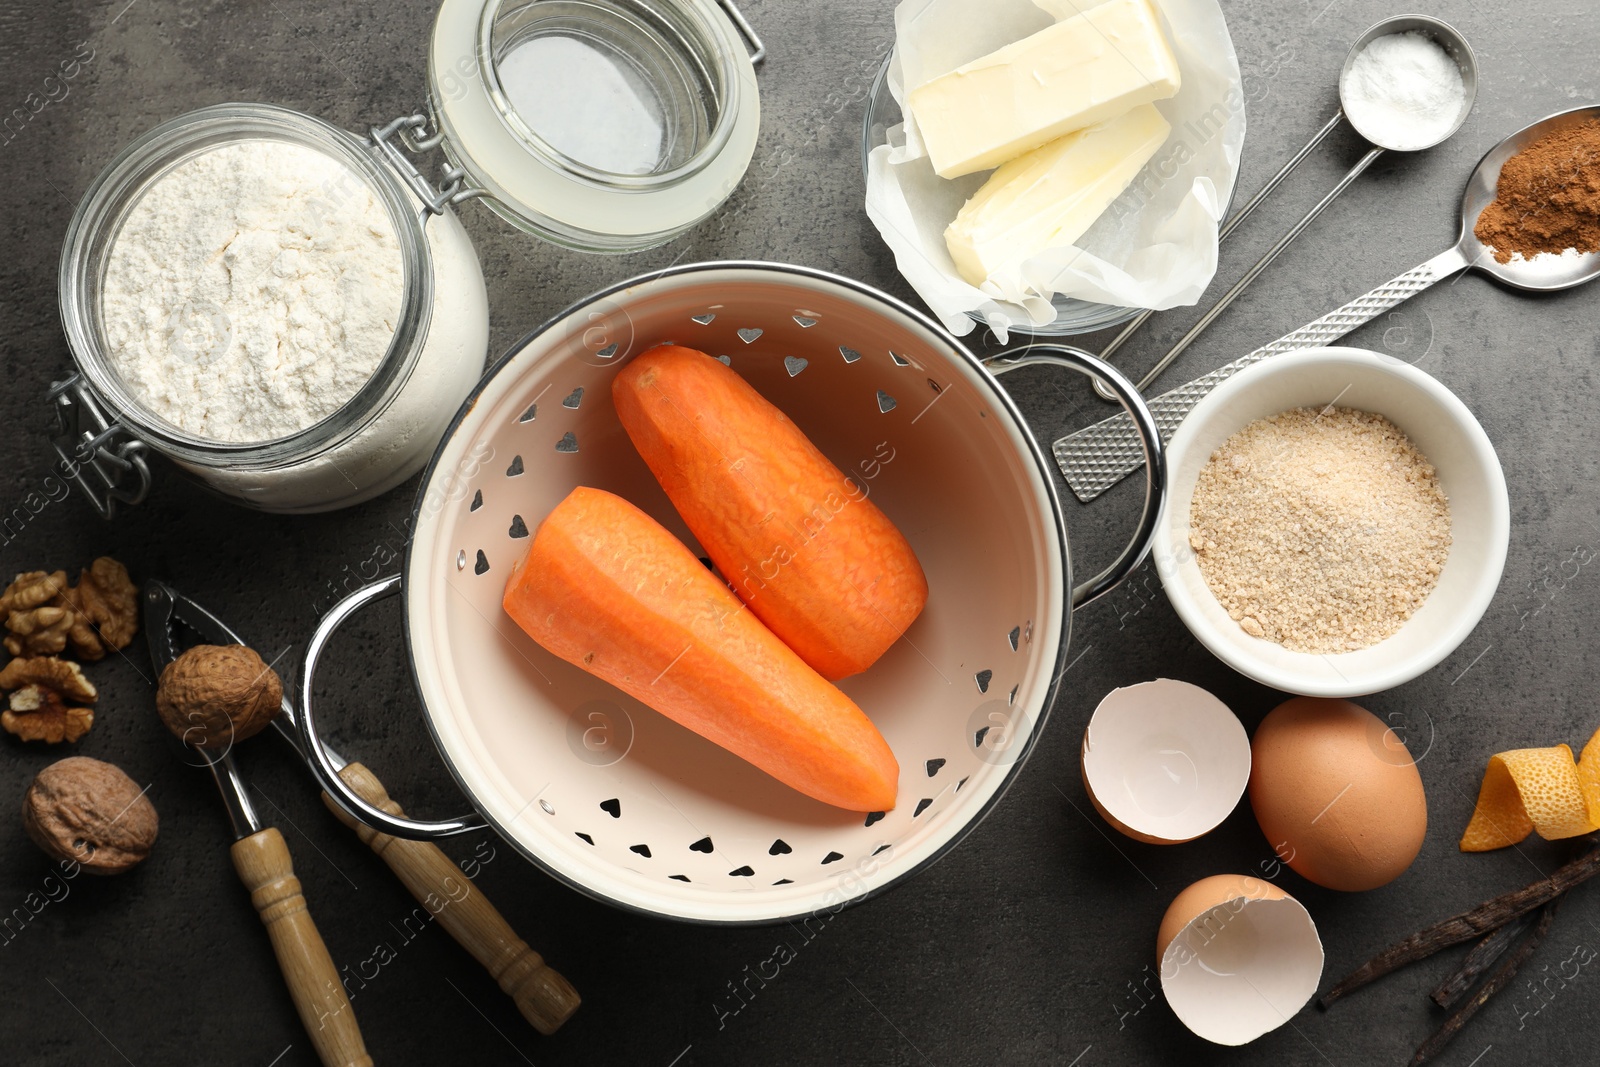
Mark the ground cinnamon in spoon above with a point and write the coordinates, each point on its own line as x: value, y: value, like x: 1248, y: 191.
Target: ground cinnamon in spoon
x: 1548, y: 199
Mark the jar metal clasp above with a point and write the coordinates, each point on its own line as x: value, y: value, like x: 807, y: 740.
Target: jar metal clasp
x: 758, y: 49
x: 102, y: 458
x: 412, y: 133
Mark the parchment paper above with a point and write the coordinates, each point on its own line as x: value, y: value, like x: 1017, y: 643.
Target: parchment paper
x: 1156, y: 247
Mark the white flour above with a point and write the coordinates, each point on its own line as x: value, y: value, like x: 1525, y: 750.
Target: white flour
x: 252, y: 291
x: 398, y: 439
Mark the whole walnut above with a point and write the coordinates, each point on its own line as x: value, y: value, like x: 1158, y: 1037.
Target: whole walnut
x: 214, y: 695
x: 85, y: 810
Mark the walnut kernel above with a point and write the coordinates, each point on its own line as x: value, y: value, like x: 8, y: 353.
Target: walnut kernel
x: 106, y: 604
x: 213, y: 695
x: 47, y: 698
x: 45, y: 616
x: 84, y: 810
x: 40, y: 632
x: 32, y: 589
x: 31, y: 606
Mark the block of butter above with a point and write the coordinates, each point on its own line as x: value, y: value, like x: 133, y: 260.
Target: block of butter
x: 1062, y: 9
x: 1081, y: 71
x: 1050, y: 196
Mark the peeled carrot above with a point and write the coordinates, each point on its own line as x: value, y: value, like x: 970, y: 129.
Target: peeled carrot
x: 607, y: 588
x: 800, y: 543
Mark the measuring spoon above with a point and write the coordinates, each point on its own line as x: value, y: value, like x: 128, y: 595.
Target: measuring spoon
x: 1099, y: 456
x: 1455, y: 45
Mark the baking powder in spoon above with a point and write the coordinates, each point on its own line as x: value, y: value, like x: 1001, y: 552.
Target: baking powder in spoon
x: 1404, y: 91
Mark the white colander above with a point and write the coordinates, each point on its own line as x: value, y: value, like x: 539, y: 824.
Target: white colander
x: 617, y: 800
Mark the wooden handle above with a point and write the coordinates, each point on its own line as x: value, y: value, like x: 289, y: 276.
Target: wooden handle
x: 263, y: 863
x: 544, y: 997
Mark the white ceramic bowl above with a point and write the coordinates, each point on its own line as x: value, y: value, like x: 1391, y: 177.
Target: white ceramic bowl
x: 1441, y: 427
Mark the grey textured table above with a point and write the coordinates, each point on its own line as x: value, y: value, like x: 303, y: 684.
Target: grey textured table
x: 1032, y: 942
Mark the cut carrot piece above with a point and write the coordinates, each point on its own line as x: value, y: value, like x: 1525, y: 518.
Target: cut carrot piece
x: 800, y: 543
x: 607, y: 588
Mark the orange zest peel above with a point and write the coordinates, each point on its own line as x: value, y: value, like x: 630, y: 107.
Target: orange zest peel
x: 1542, y: 790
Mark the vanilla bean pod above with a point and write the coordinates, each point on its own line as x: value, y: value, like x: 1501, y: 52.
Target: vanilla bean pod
x: 1484, y: 955
x: 1477, y: 922
x: 1497, y: 981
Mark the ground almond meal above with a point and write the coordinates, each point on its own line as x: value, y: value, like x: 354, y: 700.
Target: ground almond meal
x: 1321, y: 529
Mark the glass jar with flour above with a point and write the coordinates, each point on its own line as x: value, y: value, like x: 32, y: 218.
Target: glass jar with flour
x: 254, y: 294
x: 293, y: 313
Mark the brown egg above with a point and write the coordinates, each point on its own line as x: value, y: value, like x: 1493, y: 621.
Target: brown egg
x: 1336, y: 793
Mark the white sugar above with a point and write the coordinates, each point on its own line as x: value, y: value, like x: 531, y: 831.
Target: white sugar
x: 1403, y: 91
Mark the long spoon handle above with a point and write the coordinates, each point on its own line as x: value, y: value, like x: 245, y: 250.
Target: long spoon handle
x: 1255, y: 272
x: 544, y: 997
x: 1222, y: 235
x: 1101, y: 455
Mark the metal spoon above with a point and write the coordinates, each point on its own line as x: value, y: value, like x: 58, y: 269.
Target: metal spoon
x: 1448, y: 38
x: 1098, y: 456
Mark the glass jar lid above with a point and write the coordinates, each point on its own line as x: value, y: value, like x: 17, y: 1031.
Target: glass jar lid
x: 604, y: 125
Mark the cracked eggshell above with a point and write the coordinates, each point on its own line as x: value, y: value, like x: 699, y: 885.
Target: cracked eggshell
x: 1337, y: 794
x: 1164, y: 761
x: 1238, y: 957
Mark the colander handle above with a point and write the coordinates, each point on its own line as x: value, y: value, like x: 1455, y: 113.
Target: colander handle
x: 1144, y: 423
x: 322, y: 764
